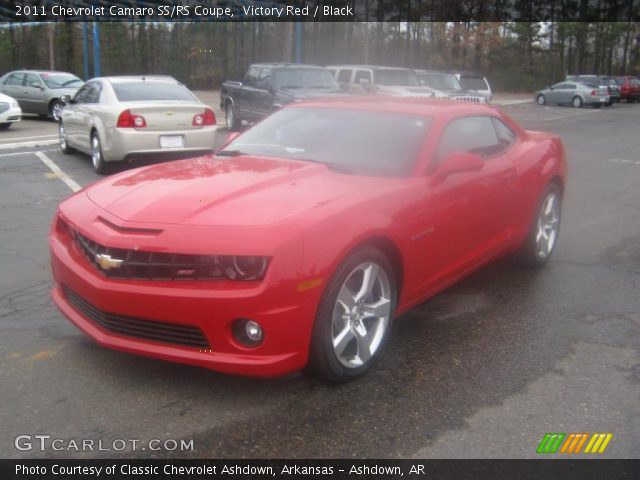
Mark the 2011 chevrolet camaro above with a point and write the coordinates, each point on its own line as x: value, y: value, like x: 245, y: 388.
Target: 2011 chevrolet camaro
x: 299, y: 242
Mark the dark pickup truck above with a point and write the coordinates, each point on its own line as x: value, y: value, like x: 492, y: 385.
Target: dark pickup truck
x: 268, y: 86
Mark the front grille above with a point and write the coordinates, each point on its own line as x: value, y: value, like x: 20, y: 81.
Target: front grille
x: 141, y: 265
x: 466, y: 98
x: 4, y: 106
x: 184, y: 335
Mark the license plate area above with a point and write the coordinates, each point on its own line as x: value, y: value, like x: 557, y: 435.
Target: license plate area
x: 171, y: 141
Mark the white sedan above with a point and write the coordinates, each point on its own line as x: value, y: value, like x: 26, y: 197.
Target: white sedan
x: 10, y: 111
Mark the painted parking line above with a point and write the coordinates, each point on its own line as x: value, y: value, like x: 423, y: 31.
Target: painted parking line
x: 28, y: 152
x: 34, y: 144
x: 71, y: 183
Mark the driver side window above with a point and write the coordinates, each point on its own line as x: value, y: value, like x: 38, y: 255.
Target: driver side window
x: 470, y: 134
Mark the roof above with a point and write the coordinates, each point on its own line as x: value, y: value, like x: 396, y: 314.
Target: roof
x: 374, y: 67
x: 129, y: 78
x: 411, y: 105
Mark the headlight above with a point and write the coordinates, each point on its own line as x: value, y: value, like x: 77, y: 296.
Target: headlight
x: 14, y: 104
x: 244, y: 267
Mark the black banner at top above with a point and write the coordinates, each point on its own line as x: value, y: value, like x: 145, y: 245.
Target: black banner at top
x: 319, y: 10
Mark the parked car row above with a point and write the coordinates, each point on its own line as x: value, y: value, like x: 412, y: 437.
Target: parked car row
x: 268, y: 86
x: 591, y: 90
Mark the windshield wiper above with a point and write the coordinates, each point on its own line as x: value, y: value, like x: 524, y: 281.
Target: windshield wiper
x: 230, y: 153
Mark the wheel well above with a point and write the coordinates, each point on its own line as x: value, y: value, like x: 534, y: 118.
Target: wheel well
x: 393, y: 254
x: 558, y: 181
x: 52, y: 101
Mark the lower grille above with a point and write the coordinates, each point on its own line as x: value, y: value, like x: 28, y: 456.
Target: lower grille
x: 466, y: 98
x: 4, y: 106
x: 184, y: 335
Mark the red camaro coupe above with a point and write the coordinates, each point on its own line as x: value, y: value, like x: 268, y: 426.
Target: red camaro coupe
x: 298, y: 243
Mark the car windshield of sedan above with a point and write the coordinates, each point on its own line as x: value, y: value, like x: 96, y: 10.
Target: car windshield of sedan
x: 395, y: 78
x: 304, y: 78
x: 65, y: 80
x: 350, y: 141
x: 144, y: 90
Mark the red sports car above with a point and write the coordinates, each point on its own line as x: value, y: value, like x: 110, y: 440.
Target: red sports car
x: 298, y: 243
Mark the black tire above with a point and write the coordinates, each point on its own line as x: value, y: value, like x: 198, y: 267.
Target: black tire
x: 323, y: 360
x: 577, y: 102
x: 630, y: 100
x: 99, y: 165
x: 62, y: 139
x: 596, y: 106
x: 609, y: 103
x: 4, y: 126
x: 529, y: 254
x: 55, y: 107
x: 232, y: 118
x: 541, y: 99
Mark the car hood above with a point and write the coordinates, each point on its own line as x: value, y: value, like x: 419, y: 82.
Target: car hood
x: 241, y: 191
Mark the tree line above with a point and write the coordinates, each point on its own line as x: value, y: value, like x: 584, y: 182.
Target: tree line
x: 515, y: 56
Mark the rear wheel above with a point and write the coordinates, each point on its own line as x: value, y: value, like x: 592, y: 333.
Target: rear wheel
x: 354, y: 317
x: 231, y: 117
x: 544, y: 231
x: 99, y: 165
x: 541, y: 99
x: 630, y: 99
x: 576, y: 102
x: 4, y: 126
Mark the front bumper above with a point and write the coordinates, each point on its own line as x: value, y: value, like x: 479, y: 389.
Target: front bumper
x: 131, y: 143
x: 285, y: 315
x: 12, y: 115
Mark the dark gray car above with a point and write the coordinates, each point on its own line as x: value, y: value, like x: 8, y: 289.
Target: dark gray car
x: 39, y: 91
x: 574, y: 93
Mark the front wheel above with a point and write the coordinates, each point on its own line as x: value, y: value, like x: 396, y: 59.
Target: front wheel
x: 541, y: 99
x: 231, y: 118
x: 543, y: 234
x: 354, y: 317
x: 577, y: 102
x: 55, y: 109
x: 99, y: 165
x: 4, y: 126
x: 62, y: 137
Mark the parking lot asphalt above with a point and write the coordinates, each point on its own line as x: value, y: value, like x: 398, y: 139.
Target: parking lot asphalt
x: 482, y: 370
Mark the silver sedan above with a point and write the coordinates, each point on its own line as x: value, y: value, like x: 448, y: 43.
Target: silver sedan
x: 126, y: 118
x: 573, y: 93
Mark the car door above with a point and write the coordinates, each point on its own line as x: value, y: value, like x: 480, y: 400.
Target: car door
x: 488, y: 193
x: 13, y: 87
x: 362, y: 82
x: 264, y: 93
x: 246, y: 93
x: 344, y: 78
x: 85, y: 111
x: 554, y: 93
x: 72, y: 117
x: 34, y: 94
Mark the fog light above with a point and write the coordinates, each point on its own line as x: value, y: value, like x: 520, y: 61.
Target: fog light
x: 248, y: 332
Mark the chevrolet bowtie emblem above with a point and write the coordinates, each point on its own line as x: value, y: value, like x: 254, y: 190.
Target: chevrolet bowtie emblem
x: 106, y: 262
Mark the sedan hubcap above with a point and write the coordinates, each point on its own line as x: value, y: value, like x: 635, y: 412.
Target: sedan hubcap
x: 56, y: 111
x: 548, y: 224
x: 361, y: 315
x: 95, y: 152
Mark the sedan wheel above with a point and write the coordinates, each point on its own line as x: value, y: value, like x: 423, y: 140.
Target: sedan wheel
x: 55, y: 110
x: 99, y: 165
x: 577, y: 102
x: 64, y: 144
x: 541, y: 99
x: 354, y: 317
x: 543, y: 235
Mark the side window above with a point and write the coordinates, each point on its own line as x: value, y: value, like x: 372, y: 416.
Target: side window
x: 506, y: 136
x: 344, y: 76
x: 469, y: 134
x: 14, y: 79
x: 264, y: 82
x: 33, y: 79
x: 570, y: 86
x: 362, y: 75
x: 82, y: 94
x: 252, y: 77
x: 93, y: 93
x: 561, y: 86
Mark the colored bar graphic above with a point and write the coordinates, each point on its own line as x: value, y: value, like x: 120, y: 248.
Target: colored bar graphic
x: 598, y: 443
x: 574, y: 443
x: 550, y: 442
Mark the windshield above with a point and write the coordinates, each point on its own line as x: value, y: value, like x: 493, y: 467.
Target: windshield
x: 144, y: 90
x: 473, y: 83
x: 304, y: 78
x: 61, y: 80
x: 395, y: 78
x: 440, y: 82
x: 358, y: 141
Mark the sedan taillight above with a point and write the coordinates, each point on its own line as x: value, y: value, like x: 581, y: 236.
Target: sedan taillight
x: 205, y: 118
x: 128, y: 120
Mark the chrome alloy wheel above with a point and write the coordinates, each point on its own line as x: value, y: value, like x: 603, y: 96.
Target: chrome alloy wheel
x: 361, y: 315
x: 62, y: 136
x: 548, y: 225
x: 96, y: 152
x: 56, y: 111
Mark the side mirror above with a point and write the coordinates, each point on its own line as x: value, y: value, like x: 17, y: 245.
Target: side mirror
x: 66, y: 99
x: 458, y: 162
x: 36, y: 85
